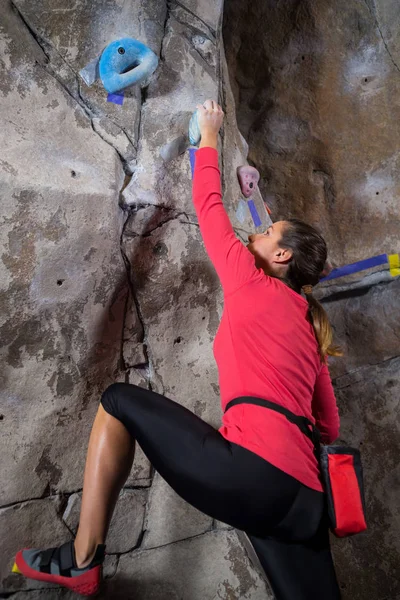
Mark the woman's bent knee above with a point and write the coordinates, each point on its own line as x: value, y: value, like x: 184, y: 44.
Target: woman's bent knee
x: 111, y: 399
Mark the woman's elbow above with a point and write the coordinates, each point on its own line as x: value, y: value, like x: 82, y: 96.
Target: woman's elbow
x: 331, y: 435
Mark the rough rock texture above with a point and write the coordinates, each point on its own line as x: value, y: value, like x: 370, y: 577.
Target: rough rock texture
x: 210, y: 566
x: 104, y: 278
x: 316, y: 92
x: 369, y: 402
x: 127, y: 522
x: 63, y: 281
x: 29, y: 524
x: 169, y: 518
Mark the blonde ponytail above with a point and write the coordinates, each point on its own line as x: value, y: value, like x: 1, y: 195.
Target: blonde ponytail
x: 309, y: 254
x: 322, y: 327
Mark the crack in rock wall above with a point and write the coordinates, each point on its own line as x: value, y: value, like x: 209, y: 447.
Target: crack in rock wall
x: 316, y: 91
x: 104, y: 278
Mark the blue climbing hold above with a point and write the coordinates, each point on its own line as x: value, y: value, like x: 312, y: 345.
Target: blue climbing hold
x: 124, y: 63
x: 194, y: 130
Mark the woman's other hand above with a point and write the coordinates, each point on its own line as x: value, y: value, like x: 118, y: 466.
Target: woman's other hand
x: 210, y: 117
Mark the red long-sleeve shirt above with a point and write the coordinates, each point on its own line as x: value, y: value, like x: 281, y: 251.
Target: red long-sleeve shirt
x: 264, y: 347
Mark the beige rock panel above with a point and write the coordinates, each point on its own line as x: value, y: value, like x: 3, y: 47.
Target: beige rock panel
x: 368, y: 564
x: 62, y: 277
x: 209, y: 566
x: 34, y: 524
x: 117, y: 138
x: 133, y: 351
x: 209, y: 12
x: 77, y: 37
x: 314, y: 89
x: 387, y: 15
x: 180, y: 301
x: 140, y: 475
x: 366, y: 326
x: 235, y: 151
x: 169, y: 518
x: 184, y: 78
x: 127, y: 522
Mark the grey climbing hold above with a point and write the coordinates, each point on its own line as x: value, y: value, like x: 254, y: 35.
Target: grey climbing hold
x: 194, y: 130
x: 241, y: 211
x: 90, y: 73
x: 174, y: 148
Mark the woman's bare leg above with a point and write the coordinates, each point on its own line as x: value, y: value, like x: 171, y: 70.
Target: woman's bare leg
x: 108, y: 464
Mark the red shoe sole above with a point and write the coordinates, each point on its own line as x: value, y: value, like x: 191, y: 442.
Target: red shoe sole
x: 86, y: 584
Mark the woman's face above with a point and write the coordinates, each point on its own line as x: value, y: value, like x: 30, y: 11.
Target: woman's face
x: 266, y: 249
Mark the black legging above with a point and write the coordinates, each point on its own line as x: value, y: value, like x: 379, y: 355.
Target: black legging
x: 283, y: 518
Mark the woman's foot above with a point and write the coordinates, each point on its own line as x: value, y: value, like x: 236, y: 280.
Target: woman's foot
x: 58, y: 565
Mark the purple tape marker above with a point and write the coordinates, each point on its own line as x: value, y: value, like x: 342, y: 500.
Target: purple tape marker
x: 368, y: 263
x: 192, y: 156
x: 116, y: 98
x: 254, y: 213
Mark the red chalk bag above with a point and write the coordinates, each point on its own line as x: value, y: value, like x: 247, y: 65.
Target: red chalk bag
x: 342, y: 475
x: 341, y: 471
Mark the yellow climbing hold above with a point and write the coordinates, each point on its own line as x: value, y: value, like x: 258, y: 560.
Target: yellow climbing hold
x: 394, y: 264
x: 15, y: 569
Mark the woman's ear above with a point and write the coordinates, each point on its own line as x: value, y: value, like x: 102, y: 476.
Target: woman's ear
x: 283, y: 255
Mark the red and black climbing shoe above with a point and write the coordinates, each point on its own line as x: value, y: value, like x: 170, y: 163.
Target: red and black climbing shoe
x: 58, y: 565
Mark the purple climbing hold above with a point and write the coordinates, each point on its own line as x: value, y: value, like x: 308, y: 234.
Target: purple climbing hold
x: 248, y: 179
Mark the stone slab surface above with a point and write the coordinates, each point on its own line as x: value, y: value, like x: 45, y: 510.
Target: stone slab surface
x: 184, y: 79
x: 63, y: 283
x: 169, y: 518
x: 368, y: 564
x: 127, y: 522
x: 209, y: 12
x: 77, y: 36
x: 34, y: 524
x: 366, y: 325
x: 311, y: 88
x: 173, y: 258
x: 210, y: 566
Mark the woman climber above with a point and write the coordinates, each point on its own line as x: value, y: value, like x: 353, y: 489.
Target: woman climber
x: 258, y: 472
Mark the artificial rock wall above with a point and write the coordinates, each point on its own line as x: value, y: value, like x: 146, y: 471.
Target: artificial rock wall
x: 104, y: 278
x: 316, y: 88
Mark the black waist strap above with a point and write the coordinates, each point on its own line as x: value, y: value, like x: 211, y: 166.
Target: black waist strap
x: 302, y: 423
